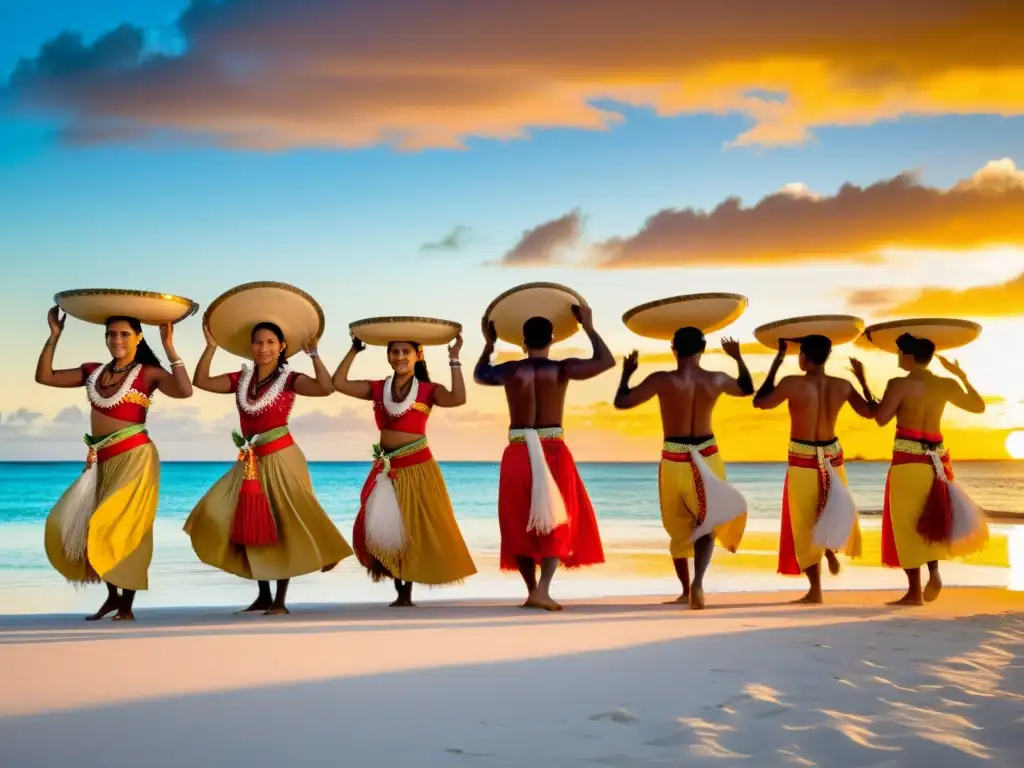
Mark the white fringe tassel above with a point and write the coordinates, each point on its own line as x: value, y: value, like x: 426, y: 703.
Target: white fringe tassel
x: 547, y: 507
x: 79, y: 504
x: 969, y: 531
x: 385, y: 531
x: 835, y: 525
x: 724, y: 503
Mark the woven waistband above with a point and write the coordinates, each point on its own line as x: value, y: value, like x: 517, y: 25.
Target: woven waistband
x: 544, y: 433
x: 686, y: 448
x: 917, y: 447
x: 406, y: 450
x: 807, y: 448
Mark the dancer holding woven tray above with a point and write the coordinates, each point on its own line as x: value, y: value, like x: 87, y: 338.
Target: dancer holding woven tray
x: 819, y: 515
x: 406, y: 529
x: 262, y: 520
x: 698, y: 505
x: 544, y: 512
x: 101, y: 529
x: 927, y: 516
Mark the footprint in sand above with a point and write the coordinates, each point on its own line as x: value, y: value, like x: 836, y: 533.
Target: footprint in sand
x: 619, y: 715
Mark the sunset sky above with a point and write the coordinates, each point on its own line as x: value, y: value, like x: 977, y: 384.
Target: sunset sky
x: 421, y: 156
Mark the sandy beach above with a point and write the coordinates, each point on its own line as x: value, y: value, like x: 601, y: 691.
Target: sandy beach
x: 618, y: 682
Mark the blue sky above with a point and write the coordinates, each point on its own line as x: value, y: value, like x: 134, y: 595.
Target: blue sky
x: 348, y: 225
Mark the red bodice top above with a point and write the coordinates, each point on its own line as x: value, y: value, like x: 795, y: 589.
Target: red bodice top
x: 408, y: 416
x: 270, y: 409
x: 130, y: 403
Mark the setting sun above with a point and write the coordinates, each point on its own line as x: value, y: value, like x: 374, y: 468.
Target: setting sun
x: 1015, y: 444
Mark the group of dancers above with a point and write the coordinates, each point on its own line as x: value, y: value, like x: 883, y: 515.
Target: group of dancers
x: 261, y: 521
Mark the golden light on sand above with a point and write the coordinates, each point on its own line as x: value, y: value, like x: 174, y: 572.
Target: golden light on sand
x: 1015, y: 444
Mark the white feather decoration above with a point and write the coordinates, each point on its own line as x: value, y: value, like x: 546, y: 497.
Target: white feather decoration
x: 969, y: 530
x: 385, y: 529
x: 547, y: 507
x: 79, y: 503
x: 835, y: 524
x: 724, y: 503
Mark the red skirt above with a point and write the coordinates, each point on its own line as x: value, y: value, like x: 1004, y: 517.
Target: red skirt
x: 576, y: 543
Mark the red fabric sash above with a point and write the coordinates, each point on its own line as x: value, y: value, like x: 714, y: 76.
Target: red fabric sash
x: 103, y: 454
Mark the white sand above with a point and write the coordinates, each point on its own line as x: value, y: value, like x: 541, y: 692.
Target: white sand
x: 623, y: 682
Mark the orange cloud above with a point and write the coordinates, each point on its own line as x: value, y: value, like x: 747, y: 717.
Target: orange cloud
x: 542, y: 243
x: 429, y: 73
x: 999, y: 300
x: 855, y: 224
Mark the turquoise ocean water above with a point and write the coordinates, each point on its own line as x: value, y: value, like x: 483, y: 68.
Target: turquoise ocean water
x: 624, y: 495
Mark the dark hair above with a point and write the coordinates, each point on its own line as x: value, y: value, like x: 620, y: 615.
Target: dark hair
x: 143, y: 353
x: 538, y: 333
x: 275, y: 329
x: 419, y: 370
x: 921, y: 350
x: 689, y: 341
x: 816, y: 348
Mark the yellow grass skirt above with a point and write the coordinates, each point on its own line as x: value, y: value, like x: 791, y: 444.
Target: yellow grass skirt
x: 680, y: 503
x: 434, y: 551
x: 307, y: 539
x: 120, y: 543
x: 801, y: 498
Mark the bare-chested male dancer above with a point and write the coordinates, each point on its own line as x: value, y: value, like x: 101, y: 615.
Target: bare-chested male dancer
x: 815, y: 400
x: 917, y: 402
x: 687, y: 398
x: 544, y: 511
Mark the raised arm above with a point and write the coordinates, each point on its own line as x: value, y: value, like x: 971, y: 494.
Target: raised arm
x: 174, y: 383
x: 360, y: 389
x: 322, y: 385
x: 890, y: 405
x: 769, y: 395
x: 66, y: 378
x: 484, y: 373
x: 625, y: 397
x: 743, y: 384
x: 456, y: 396
x: 602, y: 360
x: 968, y: 400
x: 865, y: 406
x: 201, y: 378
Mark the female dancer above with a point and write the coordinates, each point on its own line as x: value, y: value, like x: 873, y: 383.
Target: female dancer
x: 261, y: 520
x: 101, y: 529
x: 406, y: 528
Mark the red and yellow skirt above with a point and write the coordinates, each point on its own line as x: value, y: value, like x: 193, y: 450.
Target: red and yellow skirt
x: 406, y: 527
x: 804, y: 497
x: 926, y: 516
x: 101, y: 529
x: 571, y: 534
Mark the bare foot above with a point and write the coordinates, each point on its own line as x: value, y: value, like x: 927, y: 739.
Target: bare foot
x: 402, y: 602
x: 813, y: 597
x: 543, y: 602
x: 908, y: 599
x: 697, y: 598
x: 328, y: 568
x: 109, y: 605
x: 682, y: 599
x: 276, y: 610
x: 258, y: 606
x: 932, y: 588
x: 833, y: 562
x: 124, y: 616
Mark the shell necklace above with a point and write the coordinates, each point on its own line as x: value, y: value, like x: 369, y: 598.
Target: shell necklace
x: 106, y: 403
x: 397, y: 410
x: 255, y: 407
